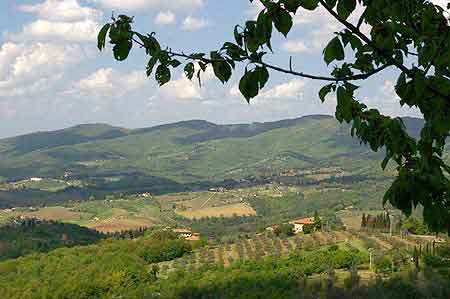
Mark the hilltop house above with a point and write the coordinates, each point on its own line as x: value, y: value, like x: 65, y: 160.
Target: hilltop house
x: 183, y: 232
x: 299, y: 223
x: 219, y: 189
x: 187, y: 234
x: 193, y: 237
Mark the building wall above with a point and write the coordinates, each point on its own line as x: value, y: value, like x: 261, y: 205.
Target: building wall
x: 298, y: 228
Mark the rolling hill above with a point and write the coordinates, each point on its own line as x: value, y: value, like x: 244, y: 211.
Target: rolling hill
x: 189, y: 151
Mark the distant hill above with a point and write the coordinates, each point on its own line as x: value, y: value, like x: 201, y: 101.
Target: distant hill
x: 45, y: 140
x: 189, y: 151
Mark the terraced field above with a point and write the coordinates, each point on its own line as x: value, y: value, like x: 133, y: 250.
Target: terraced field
x: 263, y: 246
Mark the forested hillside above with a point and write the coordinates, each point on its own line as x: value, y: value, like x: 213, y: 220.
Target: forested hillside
x: 197, y: 150
x: 21, y: 237
x: 333, y: 264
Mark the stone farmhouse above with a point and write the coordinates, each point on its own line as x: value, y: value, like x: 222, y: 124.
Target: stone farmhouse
x: 299, y: 223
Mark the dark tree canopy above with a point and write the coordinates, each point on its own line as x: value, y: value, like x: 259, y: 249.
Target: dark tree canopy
x: 411, y: 36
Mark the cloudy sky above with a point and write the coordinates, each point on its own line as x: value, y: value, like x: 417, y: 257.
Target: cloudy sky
x: 52, y: 76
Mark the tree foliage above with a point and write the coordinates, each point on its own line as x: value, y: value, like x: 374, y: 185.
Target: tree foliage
x: 411, y: 36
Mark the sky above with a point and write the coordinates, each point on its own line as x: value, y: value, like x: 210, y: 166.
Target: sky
x: 52, y: 76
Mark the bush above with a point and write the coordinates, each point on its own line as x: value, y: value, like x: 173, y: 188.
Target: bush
x: 432, y: 260
x: 383, y: 265
x: 285, y: 230
x: 165, y: 251
x: 308, y: 228
x: 414, y: 226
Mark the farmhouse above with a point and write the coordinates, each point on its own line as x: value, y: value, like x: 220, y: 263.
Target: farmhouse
x: 299, y: 223
x: 187, y: 234
x: 219, y: 189
x: 193, y: 237
x: 35, y: 179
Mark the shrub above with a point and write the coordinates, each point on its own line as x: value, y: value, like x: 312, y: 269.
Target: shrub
x: 383, y: 265
x: 285, y: 230
x: 308, y: 228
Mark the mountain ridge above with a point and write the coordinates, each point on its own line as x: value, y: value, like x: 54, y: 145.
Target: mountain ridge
x: 185, y: 151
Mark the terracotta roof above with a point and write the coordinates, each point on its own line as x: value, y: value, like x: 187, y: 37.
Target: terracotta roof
x: 303, y: 221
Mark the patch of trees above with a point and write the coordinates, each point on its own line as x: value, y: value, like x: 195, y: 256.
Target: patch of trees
x: 108, y: 269
x: 284, y: 230
x: 380, y: 222
x: 127, y: 234
x: 21, y: 237
x: 415, y: 226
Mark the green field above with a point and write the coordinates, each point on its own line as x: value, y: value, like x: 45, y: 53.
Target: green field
x: 191, y: 151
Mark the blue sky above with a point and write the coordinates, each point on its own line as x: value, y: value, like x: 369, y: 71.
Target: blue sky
x: 52, y: 76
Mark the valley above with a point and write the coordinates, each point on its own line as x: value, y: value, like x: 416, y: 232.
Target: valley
x: 183, y: 209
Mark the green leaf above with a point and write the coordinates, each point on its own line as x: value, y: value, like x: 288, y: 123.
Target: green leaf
x: 385, y: 162
x: 331, y: 3
x: 309, y: 4
x: 122, y: 50
x: 283, y: 21
x: 291, y: 5
x: 264, y: 29
x: 345, y: 8
x: 344, y: 105
x: 248, y: 85
x: 333, y: 51
x: 238, y: 36
x: 324, y: 91
x: 151, y: 65
x: 355, y: 42
x: 101, y: 39
x: 263, y: 76
x: 222, y: 70
x: 189, y: 70
x: 162, y: 74
x: 202, y: 65
x: 174, y: 63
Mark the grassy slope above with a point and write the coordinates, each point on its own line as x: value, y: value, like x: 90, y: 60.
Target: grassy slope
x: 189, y: 151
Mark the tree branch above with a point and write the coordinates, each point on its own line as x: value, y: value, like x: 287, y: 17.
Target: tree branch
x: 410, y: 73
x: 280, y: 69
x: 335, y: 79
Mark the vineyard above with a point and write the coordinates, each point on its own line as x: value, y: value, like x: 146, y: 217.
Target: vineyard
x: 262, y: 246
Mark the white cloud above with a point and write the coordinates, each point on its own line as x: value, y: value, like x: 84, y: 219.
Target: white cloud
x: 441, y: 3
x: 136, y: 5
x: 63, y: 20
x: 295, y: 46
x: 388, y: 102
x: 192, y: 24
x: 28, y: 68
x: 254, y: 9
x: 43, y: 30
x: 234, y: 91
x: 319, y: 26
x: 290, y: 89
x: 61, y: 10
x: 182, y: 88
x: 165, y: 18
x: 107, y: 82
